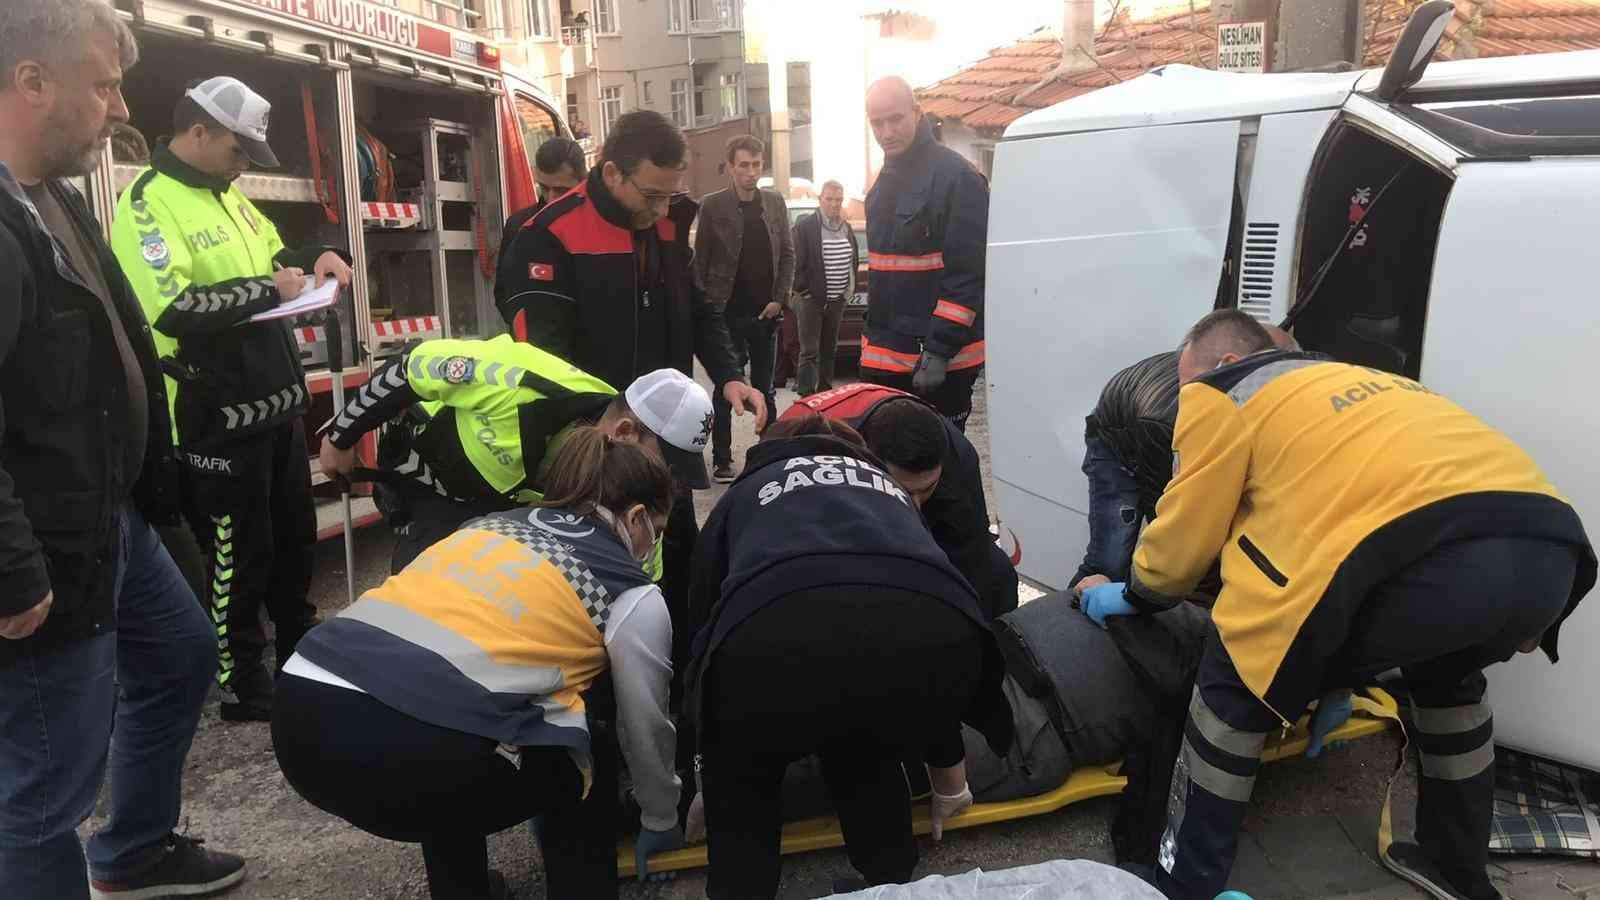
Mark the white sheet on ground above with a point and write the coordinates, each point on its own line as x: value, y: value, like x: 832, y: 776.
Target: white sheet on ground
x: 1061, y: 879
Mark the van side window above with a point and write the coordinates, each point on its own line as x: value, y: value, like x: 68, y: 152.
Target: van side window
x: 1371, y: 225
x: 538, y: 124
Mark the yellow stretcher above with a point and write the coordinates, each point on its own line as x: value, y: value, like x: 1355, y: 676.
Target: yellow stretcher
x: 1375, y: 712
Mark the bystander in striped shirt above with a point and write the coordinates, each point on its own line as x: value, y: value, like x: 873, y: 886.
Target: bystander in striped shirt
x: 836, y: 257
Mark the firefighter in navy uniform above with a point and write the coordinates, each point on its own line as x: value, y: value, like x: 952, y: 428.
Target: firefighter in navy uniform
x: 1364, y: 523
x: 203, y: 260
x: 480, y: 423
x: 928, y: 231
x: 935, y: 462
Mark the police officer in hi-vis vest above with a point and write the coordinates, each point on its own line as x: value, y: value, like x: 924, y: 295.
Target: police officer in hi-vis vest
x: 473, y: 427
x: 203, y: 261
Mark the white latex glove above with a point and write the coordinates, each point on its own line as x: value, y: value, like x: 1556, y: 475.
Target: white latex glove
x: 694, y: 822
x: 948, y: 808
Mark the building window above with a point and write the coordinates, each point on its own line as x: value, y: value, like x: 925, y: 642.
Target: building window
x: 605, y: 17
x: 610, y: 108
x: 649, y: 98
x: 730, y: 96
x: 675, y: 21
x: 680, y: 102
x: 702, y: 105
x: 539, y: 19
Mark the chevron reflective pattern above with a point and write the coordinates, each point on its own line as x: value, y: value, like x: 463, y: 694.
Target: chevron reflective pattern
x: 386, y: 382
x: 417, y: 469
x: 219, y: 299
x: 221, y: 588
x: 244, y: 415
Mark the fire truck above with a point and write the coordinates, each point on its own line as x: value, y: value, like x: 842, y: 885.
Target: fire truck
x: 401, y: 141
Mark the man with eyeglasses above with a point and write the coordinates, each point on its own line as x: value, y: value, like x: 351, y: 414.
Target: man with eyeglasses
x: 203, y: 260
x: 602, y: 279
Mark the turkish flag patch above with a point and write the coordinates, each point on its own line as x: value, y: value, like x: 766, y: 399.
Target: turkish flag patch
x: 541, y: 272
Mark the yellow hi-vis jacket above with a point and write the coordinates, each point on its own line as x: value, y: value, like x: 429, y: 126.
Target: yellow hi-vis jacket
x: 1315, y: 481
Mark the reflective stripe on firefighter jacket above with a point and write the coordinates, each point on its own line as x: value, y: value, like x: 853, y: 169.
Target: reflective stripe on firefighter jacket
x: 1315, y: 481
x: 200, y: 258
x: 489, y: 407
x: 927, y: 227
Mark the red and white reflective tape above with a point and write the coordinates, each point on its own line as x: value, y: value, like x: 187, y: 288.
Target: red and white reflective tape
x: 423, y: 325
x: 391, y: 210
x: 310, y: 335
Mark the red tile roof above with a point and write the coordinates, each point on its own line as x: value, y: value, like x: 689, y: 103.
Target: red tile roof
x: 1015, y: 80
x: 1490, y: 28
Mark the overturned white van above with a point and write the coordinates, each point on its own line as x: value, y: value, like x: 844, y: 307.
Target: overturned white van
x: 1441, y: 222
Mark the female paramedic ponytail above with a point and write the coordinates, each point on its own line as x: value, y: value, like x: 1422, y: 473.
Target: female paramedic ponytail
x: 595, y: 470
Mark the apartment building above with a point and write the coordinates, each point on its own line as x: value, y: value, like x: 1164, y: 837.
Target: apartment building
x: 681, y: 58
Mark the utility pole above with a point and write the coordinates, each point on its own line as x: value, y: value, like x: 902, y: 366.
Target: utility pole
x: 778, y: 103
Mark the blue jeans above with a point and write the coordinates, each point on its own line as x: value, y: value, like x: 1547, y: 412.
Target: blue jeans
x: 127, y: 702
x: 1114, y: 516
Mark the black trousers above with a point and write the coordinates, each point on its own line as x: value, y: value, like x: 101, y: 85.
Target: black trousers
x: 252, y: 512
x: 430, y: 518
x: 1441, y: 620
x: 755, y: 343
x: 405, y: 780
x: 862, y: 676
x: 953, y: 399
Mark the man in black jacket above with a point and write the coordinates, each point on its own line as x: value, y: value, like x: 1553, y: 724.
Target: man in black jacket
x: 826, y: 259
x: 602, y: 279
x: 558, y: 167
x: 96, y: 620
x: 744, y: 260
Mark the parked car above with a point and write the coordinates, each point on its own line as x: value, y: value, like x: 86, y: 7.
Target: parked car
x: 848, y: 351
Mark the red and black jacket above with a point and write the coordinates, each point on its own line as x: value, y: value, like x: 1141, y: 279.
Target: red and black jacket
x: 927, y: 233
x: 575, y: 288
x: 956, y: 513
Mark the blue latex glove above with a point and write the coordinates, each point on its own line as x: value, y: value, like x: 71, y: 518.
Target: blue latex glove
x: 649, y: 843
x: 1104, y: 600
x: 1333, y: 710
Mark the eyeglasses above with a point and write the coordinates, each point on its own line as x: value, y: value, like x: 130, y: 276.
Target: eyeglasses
x: 655, y: 198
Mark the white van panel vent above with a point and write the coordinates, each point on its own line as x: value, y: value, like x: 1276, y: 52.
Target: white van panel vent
x: 1258, y: 271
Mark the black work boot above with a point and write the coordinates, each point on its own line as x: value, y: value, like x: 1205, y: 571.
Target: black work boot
x: 1410, y: 862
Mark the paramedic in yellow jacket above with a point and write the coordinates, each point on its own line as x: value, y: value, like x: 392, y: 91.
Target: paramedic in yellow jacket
x: 1364, y: 523
x: 447, y: 703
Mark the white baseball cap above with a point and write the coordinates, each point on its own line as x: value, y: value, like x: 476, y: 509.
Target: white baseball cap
x: 240, y: 110
x: 678, y: 411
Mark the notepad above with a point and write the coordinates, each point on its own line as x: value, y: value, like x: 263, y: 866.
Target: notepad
x: 310, y: 300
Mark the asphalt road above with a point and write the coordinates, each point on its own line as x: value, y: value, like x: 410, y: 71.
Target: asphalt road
x: 1309, y: 835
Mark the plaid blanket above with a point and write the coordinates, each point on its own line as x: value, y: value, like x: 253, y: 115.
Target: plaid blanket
x: 1542, y: 807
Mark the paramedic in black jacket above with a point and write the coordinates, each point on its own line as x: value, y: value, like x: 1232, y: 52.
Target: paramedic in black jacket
x: 938, y: 466
x: 831, y: 623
